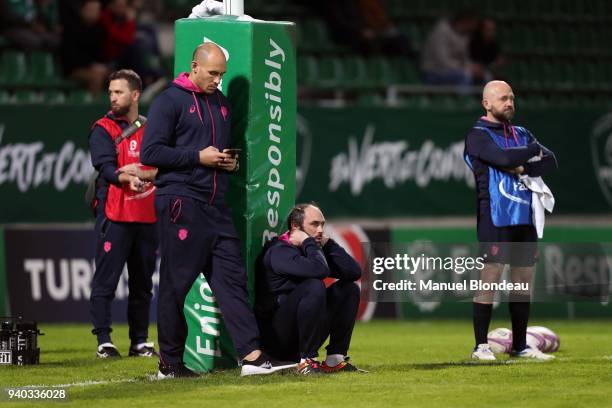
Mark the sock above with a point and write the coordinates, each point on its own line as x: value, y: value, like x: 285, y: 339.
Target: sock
x: 519, y: 314
x: 482, y: 318
x: 302, y: 360
x: 333, y: 360
x: 104, y: 338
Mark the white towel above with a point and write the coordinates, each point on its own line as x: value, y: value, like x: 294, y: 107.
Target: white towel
x: 207, y: 8
x: 211, y: 8
x: 541, y: 199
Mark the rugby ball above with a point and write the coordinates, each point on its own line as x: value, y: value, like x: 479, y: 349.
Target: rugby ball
x: 535, y: 340
x: 500, y: 340
x: 551, y: 339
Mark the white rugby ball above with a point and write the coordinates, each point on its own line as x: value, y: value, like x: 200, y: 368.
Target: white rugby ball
x: 551, y: 339
x: 500, y: 340
x: 535, y: 340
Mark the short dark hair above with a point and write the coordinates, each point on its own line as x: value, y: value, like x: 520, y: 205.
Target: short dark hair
x: 132, y: 78
x: 296, y: 215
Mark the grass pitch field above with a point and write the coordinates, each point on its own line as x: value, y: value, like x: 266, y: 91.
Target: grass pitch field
x: 422, y: 363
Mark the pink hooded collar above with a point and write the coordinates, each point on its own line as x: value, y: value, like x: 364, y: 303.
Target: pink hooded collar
x: 184, y: 82
x: 285, y: 237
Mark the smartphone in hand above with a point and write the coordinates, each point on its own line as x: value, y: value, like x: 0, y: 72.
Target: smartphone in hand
x: 232, y: 152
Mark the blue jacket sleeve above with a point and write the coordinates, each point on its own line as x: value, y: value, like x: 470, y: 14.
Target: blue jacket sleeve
x: 103, y: 154
x: 479, y: 144
x: 157, y: 146
x: 341, y: 265
x: 307, y: 261
x: 544, y: 166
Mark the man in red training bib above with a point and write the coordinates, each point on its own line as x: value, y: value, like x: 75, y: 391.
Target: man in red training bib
x: 125, y: 217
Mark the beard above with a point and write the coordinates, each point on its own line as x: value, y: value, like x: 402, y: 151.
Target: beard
x: 120, y: 110
x: 503, y: 116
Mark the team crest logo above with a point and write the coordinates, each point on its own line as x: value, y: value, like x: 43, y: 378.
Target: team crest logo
x: 107, y: 246
x: 182, y: 234
x: 133, y: 145
x: 192, y: 109
x: 601, y: 148
x: 224, y: 112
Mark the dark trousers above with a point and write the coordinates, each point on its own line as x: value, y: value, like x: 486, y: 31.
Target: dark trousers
x: 308, y: 315
x: 116, y: 244
x: 198, y: 238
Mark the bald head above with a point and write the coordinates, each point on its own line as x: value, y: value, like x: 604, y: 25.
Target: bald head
x: 208, y: 67
x: 498, y: 101
x: 494, y: 88
x: 207, y: 50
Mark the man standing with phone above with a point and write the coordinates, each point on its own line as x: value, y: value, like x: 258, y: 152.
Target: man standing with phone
x: 188, y: 138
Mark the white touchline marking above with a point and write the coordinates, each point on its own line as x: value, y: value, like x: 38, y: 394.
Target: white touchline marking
x: 80, y: 384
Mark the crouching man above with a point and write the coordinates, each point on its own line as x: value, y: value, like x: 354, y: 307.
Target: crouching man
x: 295, y: 311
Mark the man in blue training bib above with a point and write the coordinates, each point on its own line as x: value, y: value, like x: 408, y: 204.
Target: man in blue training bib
x: 498, y: 153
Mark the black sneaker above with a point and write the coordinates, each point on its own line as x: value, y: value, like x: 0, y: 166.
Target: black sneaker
x: 264, y: 365
x: 175, y: 371
x: 107, y: 350
x: 143, y: 350
x: 344, y: 366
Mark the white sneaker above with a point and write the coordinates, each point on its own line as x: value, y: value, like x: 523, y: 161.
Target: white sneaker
x: 483, y: 352
x: 107, y: 350
x: 533, y: 353
x: 264, y: 365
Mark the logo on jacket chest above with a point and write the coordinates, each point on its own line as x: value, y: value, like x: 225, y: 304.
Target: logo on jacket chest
x: 133, y: 149
x: 519, y: 186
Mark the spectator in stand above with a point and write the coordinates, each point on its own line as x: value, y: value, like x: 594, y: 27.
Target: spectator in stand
x: 388, y: 38
x: 81, y: 48
x: 123, y: 48
x: 445, y: 59
x: 147, y: 15
x: 118, y: 20
x: 486, y: 51
x: 362, y: 25
x: 345, y: 23
x: 30, y: 24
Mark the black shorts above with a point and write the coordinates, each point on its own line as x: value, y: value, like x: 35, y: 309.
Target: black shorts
x: 516, y: 245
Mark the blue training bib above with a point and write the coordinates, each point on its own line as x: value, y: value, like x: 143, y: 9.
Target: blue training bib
x: 510, y: 199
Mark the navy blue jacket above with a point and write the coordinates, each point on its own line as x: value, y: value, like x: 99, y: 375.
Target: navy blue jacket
x: 484, y: 152
x: 182, y: 121
x: 282, y: 266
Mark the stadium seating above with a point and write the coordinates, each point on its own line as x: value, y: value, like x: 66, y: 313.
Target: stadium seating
x: 567, y: 48
x: 5, y: 97
x: 13, y: 68
x: 551, y: 46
